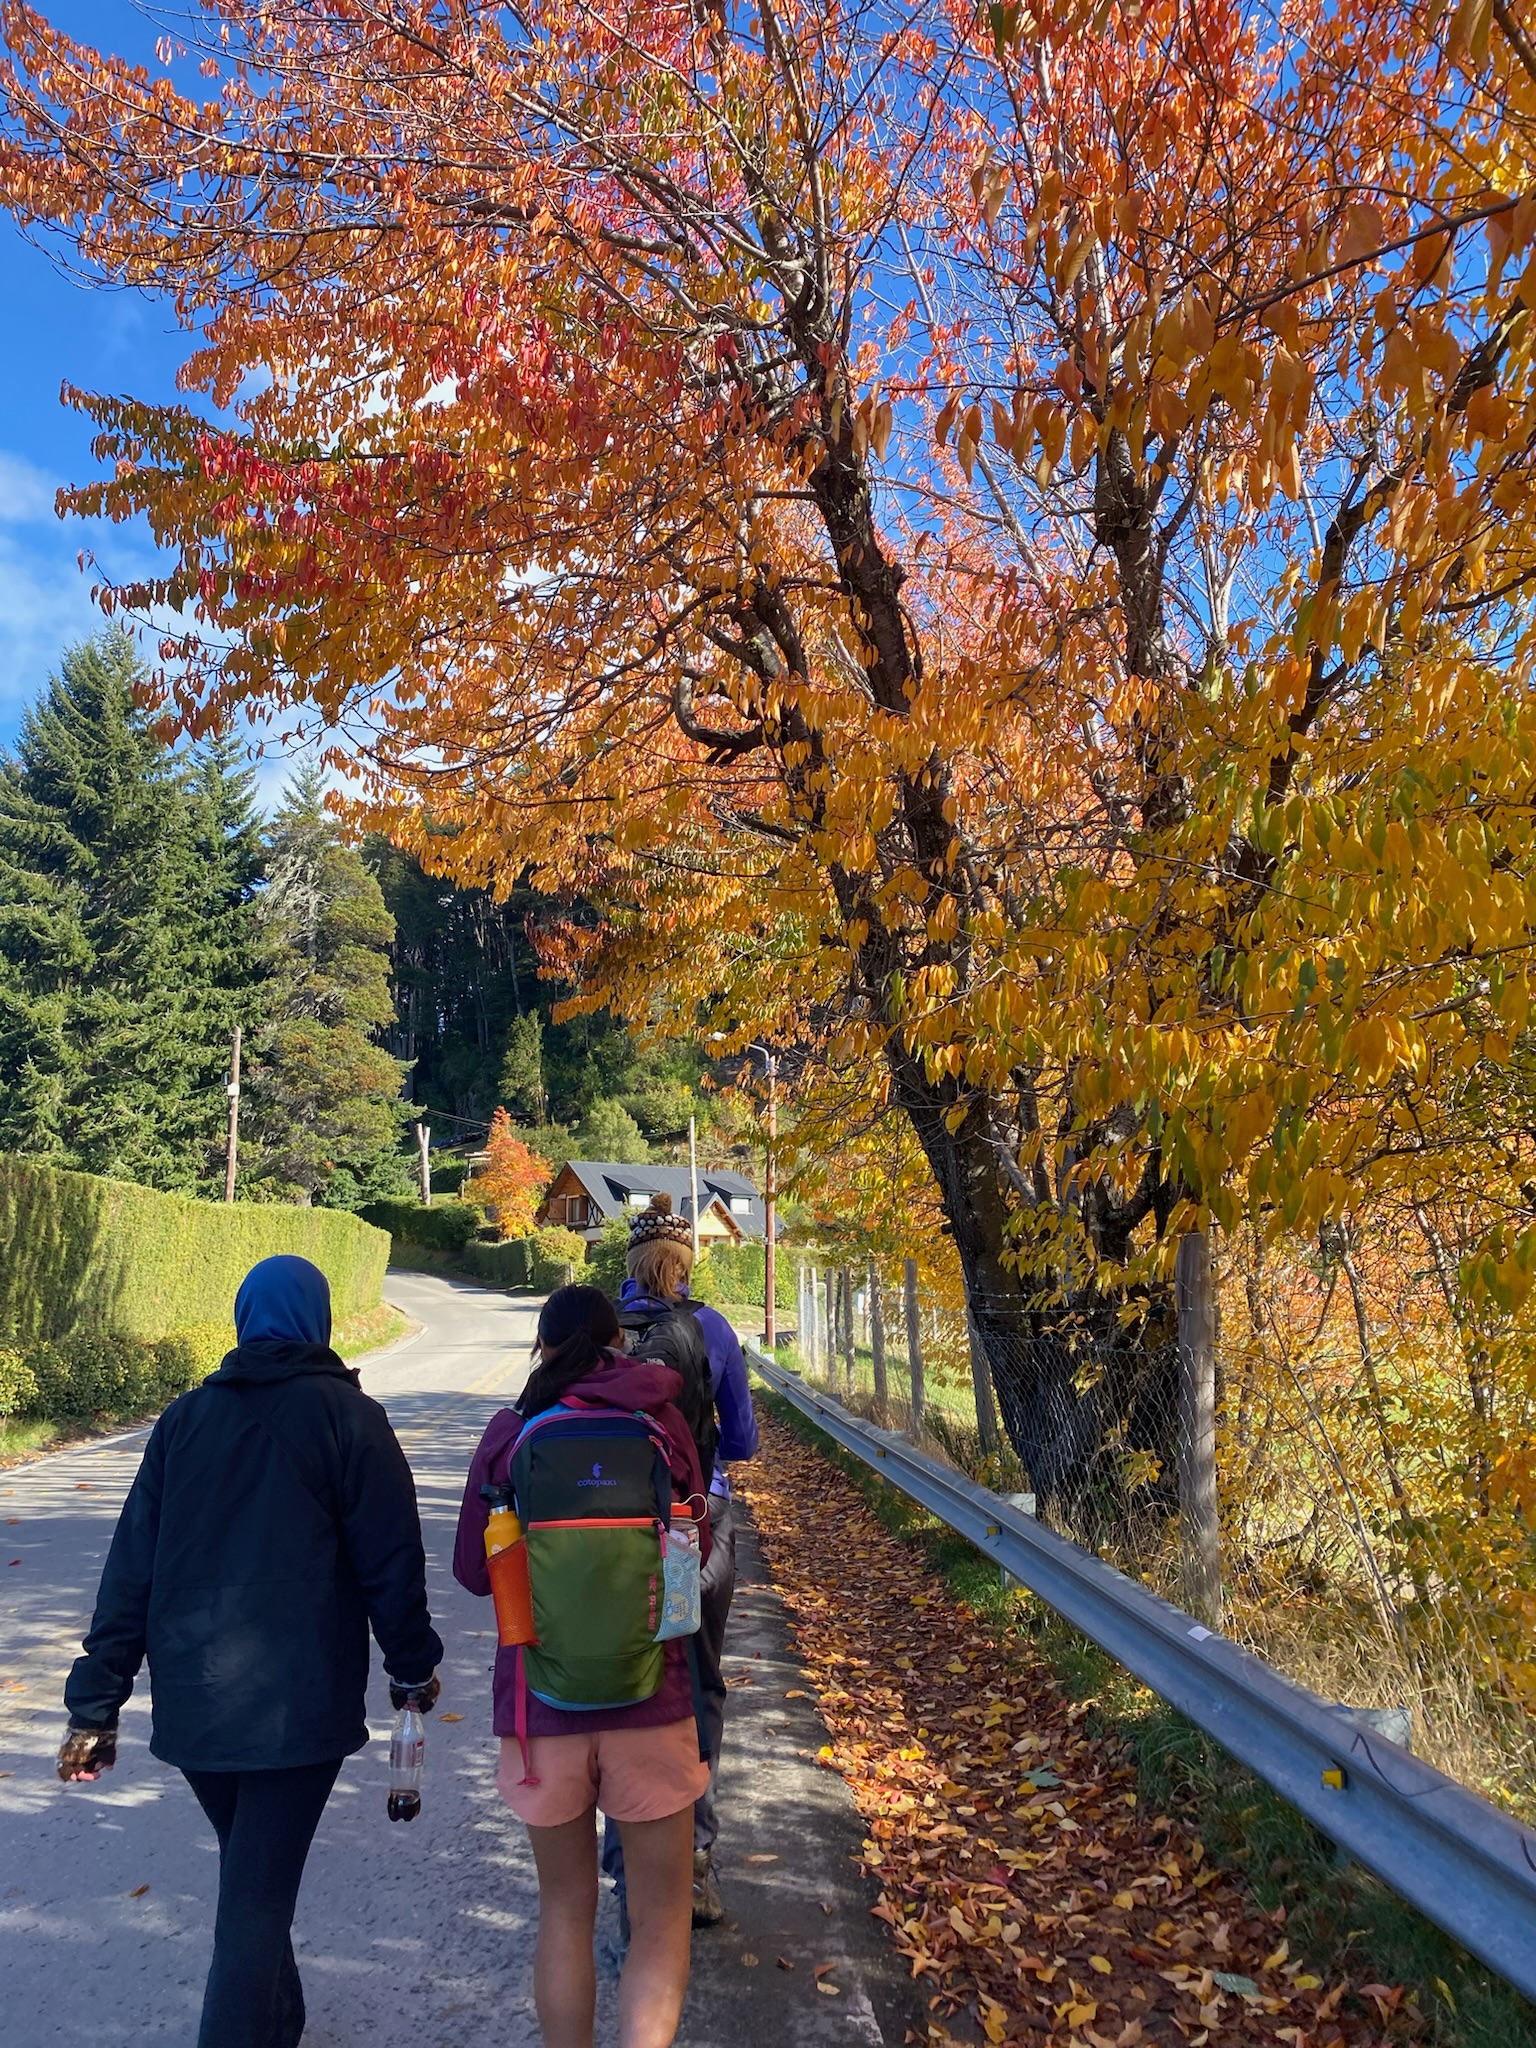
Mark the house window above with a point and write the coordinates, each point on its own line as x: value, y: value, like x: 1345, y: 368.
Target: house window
x: 577, y: 1209
x: 741, y: 1205
x: 637, y: 1201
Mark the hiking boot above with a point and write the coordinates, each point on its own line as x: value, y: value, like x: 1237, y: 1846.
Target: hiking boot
x: 708, y: 1906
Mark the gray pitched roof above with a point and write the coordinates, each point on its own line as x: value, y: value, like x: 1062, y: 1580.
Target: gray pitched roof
x: 611, y: 1182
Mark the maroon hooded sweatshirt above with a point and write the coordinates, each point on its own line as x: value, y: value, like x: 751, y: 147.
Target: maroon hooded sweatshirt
x: 615, y: 1382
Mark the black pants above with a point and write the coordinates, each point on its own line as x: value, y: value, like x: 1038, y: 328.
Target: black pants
x: 265, y: 1822
x: 717, y: 1582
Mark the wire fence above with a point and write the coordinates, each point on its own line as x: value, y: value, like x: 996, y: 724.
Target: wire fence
x: 1325, y: 1495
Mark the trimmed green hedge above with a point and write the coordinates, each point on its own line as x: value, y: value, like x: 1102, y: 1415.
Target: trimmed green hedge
x: 537, y: 1262
x: 93, y: 1374
x: 447, y: 1229
x: 82, y: 1255
x: 737, y: 1273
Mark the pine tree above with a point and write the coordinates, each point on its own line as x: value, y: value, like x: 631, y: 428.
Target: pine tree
x: 325, y: 1108
x: 126, y: 938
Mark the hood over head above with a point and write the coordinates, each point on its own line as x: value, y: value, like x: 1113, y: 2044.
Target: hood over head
x: 623, y: 1382
x: 283, y: 1300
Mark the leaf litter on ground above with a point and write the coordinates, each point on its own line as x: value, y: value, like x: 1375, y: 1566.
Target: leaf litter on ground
x: 1019, y: 1877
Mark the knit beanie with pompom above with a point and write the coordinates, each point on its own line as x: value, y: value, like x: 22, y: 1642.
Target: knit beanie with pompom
x: 658, y: 1223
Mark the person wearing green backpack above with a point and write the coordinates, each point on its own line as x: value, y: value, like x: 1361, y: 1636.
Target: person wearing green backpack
x: 602, y: 1709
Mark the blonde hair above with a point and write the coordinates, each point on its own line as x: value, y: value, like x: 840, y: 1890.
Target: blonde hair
x: 662, y: 1266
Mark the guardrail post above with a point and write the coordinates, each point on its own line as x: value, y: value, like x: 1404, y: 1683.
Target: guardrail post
x: 877, y: 1345
x: 914, y: 1349
x: 1200, y: 1523
x: 981, y: 1381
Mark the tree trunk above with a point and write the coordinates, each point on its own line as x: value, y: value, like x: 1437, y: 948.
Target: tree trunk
x: 1079, y: 1390
x: 981, y: 1382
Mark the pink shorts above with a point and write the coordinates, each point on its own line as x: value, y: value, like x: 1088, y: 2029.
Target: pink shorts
x: 631, y: 1773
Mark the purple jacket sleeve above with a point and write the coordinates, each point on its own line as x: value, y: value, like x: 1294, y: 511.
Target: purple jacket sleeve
x: 491, y: 1460
x: 733, y: 1396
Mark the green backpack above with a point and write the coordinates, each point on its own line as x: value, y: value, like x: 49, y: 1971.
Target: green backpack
x: 593, y: 1490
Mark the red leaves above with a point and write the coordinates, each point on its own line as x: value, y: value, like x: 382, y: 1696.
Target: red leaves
x: 1019, y: 1878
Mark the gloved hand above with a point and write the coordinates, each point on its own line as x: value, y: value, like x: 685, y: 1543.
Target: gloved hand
x: 86, y: 1752
x: 422, y: 1697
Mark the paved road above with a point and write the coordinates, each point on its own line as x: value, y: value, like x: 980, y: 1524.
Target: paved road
x: 408, y: 1937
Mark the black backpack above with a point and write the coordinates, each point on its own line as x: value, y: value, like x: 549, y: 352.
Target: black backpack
x: 673, y: 1337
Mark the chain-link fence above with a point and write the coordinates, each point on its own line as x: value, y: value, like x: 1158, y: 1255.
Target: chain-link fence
x: 1291, y: 1450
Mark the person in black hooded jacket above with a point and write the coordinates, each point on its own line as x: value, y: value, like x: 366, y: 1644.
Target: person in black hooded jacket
x: 273, y: 1519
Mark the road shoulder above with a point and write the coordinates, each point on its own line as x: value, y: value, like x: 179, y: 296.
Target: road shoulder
x: 788, y: 1862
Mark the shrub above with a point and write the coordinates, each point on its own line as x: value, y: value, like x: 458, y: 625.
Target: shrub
x: 555, y: 1249
x: 18, y: 1384
x: 606, y: 1267
x: 82, y: 1254
x: 737, y: 1274
x: 91, y: 1375
x: 537, y: 1262
x: 448, y: 1178
x: 445, y: 1229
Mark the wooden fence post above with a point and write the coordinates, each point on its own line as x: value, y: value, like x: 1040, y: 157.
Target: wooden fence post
x: 981, y: 1381
x: 877, y: 1345
x: 850, y: 1353
x: 914, y: 1348
x: 1198, y: 1507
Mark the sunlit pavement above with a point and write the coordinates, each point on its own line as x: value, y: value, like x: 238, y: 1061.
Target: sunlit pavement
x: 413, y: 1936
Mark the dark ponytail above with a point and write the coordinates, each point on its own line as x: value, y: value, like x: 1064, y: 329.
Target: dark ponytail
x: 576, y: 1326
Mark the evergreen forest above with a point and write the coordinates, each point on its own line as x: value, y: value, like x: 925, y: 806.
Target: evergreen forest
x: 147, y: 908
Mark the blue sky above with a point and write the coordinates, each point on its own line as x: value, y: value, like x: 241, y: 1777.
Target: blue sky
x: 56, y: 331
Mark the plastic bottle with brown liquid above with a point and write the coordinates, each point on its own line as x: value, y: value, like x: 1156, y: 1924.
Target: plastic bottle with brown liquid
x: 506, y: 1557
x: 407, y: 1761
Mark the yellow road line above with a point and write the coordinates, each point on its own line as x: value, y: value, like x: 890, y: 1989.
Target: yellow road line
x: 489, y: 1382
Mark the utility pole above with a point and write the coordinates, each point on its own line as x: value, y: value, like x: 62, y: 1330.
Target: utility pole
x: 770, y: 1203
x: 1198, y: 1504
x: 693, y: 1183
x: 232, y: 1141
x: 914, y: 1349
x: 424, y: 1151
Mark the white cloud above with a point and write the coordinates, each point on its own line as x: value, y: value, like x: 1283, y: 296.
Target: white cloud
x: 26, y: 492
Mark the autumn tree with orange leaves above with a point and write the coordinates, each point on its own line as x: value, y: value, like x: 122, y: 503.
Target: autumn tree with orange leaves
x: 512, y: 1179
x: 994, y: 544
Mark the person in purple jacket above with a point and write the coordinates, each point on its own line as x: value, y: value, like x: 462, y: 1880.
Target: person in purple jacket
x: 642, y: 1764
x: 660, y: 1263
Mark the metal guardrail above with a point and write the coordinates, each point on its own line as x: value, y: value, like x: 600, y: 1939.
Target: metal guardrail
x: 1465, y: 1865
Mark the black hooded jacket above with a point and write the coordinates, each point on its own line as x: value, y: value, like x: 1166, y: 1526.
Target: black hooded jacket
x: 272, y: 1520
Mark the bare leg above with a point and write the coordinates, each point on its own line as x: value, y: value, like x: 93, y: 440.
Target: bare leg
x: 658, y: 1866
x: 564, y: 1975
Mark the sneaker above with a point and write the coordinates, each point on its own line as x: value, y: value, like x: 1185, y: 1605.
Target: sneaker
x: 708, y: 1906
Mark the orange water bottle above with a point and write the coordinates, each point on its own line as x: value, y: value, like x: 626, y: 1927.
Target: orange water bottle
x: 506, y: 1556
